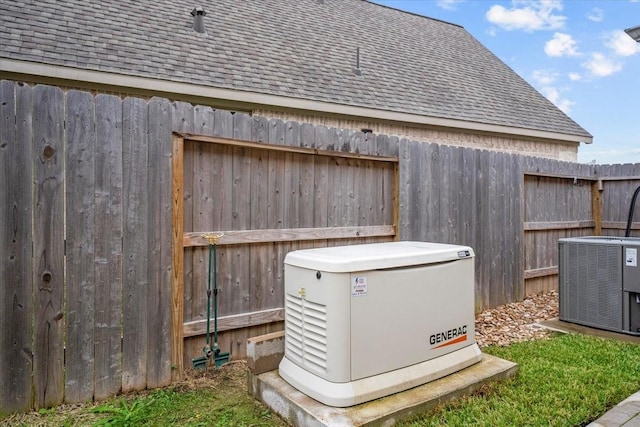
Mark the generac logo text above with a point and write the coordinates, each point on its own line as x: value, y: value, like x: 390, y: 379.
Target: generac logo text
x: 452, y: 336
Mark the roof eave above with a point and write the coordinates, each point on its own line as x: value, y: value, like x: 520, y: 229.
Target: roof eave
x: 260, y: 100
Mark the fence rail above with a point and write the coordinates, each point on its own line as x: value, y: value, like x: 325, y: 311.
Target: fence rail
x: 103, y: 202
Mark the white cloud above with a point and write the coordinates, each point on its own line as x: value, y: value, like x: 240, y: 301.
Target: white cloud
x: 574, y: 77
x: 601, y: 66
x: 553, y: 95
x: 448, y: 4
x: 545, y: 81
x: 527, y: 15
x: 596, y: 15
x: 622, y: 44
x: 544, y: 77
x: 561, y: 45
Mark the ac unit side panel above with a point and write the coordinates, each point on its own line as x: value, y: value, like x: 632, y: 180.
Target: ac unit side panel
x: 317, y: 319
x: 405, y: 316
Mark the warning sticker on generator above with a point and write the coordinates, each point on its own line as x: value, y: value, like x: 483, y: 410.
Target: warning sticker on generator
x: 359, y: 286
x: 631, y: 257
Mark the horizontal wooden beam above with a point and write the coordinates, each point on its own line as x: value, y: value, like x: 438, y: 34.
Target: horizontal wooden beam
x: 557, y: 225
x: 239, y: 237
x: 286, y: 148
x: 620, y: 225
x: 559, y: 176
x: 540, y: 272
x: 236, y: 321
x: 584, y: 178
x: 620, y: 178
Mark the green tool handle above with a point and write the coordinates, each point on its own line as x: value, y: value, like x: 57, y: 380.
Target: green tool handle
x: 215, y: 295
x: 209, y: 296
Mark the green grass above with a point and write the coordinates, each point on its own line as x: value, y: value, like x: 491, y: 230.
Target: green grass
x: 216, y: 398
x: 566, y: 380
x: 192, y: 408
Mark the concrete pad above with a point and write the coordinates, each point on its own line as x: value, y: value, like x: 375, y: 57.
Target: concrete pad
x: 625, y: 413
x: 300, y: 410
x: 265, y: 352
x: 568, y: 327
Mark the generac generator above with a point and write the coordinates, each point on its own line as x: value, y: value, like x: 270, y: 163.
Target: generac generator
x: 367, y: 321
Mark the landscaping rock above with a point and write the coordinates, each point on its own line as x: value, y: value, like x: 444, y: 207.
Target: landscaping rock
x: 516, y: 322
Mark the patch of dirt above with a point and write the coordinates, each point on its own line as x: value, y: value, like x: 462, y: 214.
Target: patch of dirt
x: 233, y: 374
x: 516, y: 322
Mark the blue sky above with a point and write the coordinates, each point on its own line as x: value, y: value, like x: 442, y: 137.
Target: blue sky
x: 574, y: 52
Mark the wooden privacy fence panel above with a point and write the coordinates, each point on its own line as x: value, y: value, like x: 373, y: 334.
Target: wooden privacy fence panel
x: 269, y: 199
x: 102, y: 263
x: 555, y: 207
x: 85, y: 246
x: 469, y: 197
x: 618, y: 185
x: 571, y: 200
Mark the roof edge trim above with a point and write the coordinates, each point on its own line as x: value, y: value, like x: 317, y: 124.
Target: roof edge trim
x: 260, y: 99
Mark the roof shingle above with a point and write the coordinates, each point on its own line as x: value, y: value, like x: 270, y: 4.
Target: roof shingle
x: 300, y: 49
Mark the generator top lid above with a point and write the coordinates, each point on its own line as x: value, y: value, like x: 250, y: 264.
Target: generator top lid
x: 376, y: 256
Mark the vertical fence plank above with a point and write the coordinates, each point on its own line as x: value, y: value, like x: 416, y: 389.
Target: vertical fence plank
x: 80, y: 259
x: 48, y: 245
x: 320, y: 179
x: 334, y: 183
x: 230, y: 291
x: 136, y: 230
x: 484, y: 251
x: 160, y: 249
x: 404, y: 190
x: 516, y: 180
x: 260, y: 273
x: 275, y: 208
x: 241, y: 220
x: 108, y: 246
x: 16, y: 303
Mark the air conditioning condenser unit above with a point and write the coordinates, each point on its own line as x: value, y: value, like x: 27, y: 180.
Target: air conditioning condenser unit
x: 599, y: 282
x: 366, y: 321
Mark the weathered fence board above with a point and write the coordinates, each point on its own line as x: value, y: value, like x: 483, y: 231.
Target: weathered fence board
x: 80, y: 250
x: 16, y: 263
x: 108, y: 221
x: 159, y: 256
x: 48, y: 246
x: 135, y: 245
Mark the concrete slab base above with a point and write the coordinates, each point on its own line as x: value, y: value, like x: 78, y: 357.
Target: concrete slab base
x: 300, y: 410
x: 568, y: 327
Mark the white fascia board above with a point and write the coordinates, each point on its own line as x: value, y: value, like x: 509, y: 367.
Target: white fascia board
x: 255, y: 99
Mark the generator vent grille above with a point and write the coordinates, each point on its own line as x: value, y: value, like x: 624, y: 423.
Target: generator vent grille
x: 306, y: 333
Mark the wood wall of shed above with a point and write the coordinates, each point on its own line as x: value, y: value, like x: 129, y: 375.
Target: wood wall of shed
x: 88, y: 227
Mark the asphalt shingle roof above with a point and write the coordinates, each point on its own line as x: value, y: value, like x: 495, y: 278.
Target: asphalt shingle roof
x: 301, y: 49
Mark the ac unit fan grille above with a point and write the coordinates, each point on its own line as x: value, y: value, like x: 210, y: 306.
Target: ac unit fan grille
x: 590, y: 285
x: 306, y: 333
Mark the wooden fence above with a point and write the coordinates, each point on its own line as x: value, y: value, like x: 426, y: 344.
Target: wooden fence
x: 561, y: 204
x: 103, y: 203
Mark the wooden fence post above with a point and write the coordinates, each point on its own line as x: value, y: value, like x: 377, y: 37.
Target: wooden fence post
x: 177, y: 290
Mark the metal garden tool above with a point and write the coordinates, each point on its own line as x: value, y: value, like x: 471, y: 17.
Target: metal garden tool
x: 209, y: 350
